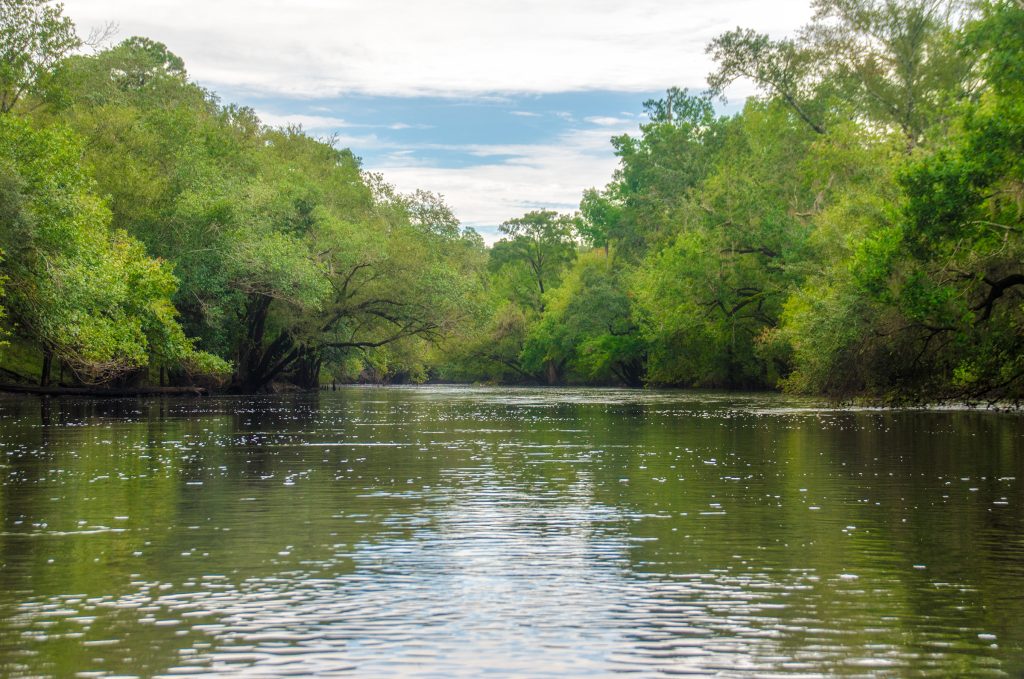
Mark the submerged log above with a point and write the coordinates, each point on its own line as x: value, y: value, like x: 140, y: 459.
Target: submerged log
x: 102, y: 392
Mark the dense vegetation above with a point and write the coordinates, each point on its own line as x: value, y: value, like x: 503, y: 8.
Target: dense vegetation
x: 150, y: 232
x: 855, y: 230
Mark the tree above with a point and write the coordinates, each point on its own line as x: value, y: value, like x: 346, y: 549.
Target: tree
x: 600, y: 217
x: 897, y: 61
x: 924, y: 303
x: 588, y: 329
x: 289, y: 257
x: 658, y: 171
x: 893, y: 63
x: 542, y: 240
x: 78, y: 290
x: 965, y: 224
x: 34, y: 37
x: 783, y: 68
x: 707, y: 295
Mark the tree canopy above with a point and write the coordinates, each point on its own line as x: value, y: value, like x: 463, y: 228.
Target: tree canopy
x: 149, y: 228
x: 854, y: 229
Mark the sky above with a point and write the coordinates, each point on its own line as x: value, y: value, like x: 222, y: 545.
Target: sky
x: 501, y: 106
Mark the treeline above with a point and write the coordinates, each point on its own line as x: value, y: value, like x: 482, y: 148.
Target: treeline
x: 151, y: 234
x: 855, y: 230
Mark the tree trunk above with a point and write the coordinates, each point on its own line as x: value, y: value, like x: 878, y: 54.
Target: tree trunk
x: 278, y: 357
x: 250, y: 351
x: 44, y: 378
x: 307, y: 369
x: 631, y: 373
x: 553, y: 372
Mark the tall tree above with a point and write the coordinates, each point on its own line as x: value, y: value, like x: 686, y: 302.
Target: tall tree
x: 544, y: 241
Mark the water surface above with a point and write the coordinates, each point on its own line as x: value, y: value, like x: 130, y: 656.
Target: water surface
x: 454, y: 531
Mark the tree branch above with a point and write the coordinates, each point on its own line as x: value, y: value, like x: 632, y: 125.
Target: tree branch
x: 997, y: 288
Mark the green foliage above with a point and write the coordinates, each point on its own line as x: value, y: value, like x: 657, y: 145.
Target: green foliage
x: 708, y: 295
x: 892, y: 63
x: 658, y: 172
x: 538, y: 246
x: 855, y: 230
x: 34, y: 37
x: 785, y: 69
x: 587, y: 330
x: 78, y: 289
x: 490, y: 348
x: 925, y: 300
x: 275, y: 249
x: 600, y: 216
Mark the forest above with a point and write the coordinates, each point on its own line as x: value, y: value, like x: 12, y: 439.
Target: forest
x: 856, y: 230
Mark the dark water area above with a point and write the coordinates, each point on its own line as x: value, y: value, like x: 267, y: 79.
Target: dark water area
x: 455, y: 531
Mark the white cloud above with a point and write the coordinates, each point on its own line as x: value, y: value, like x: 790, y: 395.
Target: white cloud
x: 448, y: 47
x: 524, y: 177
x: 327, y: 124
x: 606, y: 120
x: 306, y: 121
x: 530, y: 176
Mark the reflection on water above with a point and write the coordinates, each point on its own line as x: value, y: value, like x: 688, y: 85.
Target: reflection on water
x: 450, y: 531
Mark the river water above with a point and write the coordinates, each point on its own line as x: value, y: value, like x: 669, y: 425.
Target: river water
x: 456, y: 531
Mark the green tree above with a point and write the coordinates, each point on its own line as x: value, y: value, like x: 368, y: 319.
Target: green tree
x: 34, y: 37
x: 289, y: 256
x: 891, y: 62
x: 706, y: 297
x: 784, y: 69
x: 588, y: 329
x: 658, y: 171
x: 78, y: 290
x: 924, y: 300
x: 545, y: 242
x: 600, y: 217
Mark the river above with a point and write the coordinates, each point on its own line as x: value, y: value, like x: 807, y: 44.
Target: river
x: 463, y: 531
